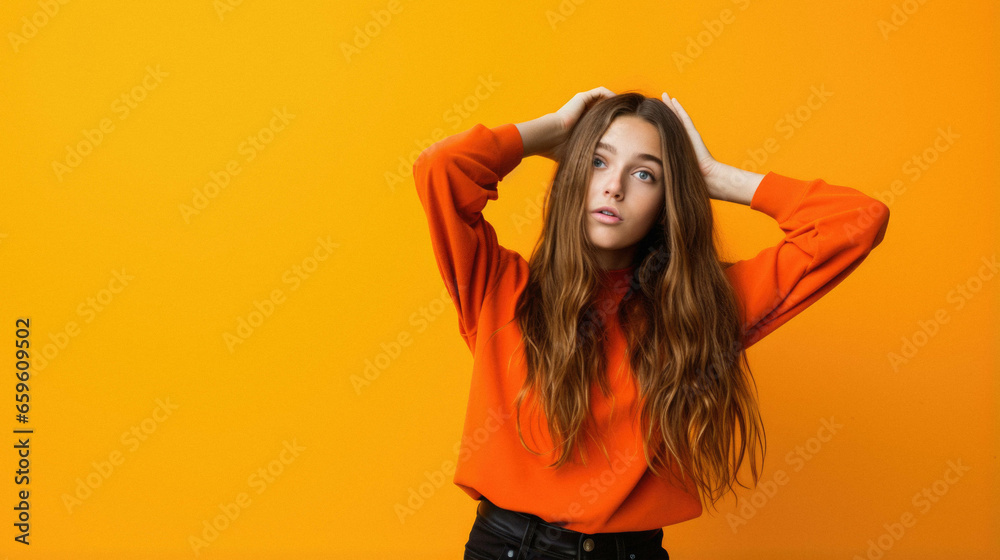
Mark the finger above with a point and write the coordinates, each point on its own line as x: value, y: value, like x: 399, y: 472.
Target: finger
x: 666, y: 101
x: 677, y: 104
x: 593, y: 96
x: 679, y: 110
x: 599, y: 93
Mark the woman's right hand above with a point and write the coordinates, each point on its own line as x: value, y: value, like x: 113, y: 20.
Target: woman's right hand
x: 546, y: 136
x: 571, y: 112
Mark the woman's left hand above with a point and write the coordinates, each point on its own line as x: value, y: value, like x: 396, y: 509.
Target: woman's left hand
x: 724, y: 182
x: 710, y: 168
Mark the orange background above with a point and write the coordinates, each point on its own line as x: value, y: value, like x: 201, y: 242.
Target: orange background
x: 169, y: 226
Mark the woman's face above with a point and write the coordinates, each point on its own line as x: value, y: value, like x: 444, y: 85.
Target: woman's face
x: 628, y: 179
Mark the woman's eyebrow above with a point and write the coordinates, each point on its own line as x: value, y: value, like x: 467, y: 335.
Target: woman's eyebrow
x: 648, y: 157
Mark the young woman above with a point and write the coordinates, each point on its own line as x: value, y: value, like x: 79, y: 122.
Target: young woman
x: 610, y: 373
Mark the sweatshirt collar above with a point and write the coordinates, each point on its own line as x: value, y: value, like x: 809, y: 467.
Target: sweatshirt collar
x: 616, y: 280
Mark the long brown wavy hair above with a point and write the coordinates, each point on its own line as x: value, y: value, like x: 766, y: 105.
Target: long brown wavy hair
x: 679, y: 317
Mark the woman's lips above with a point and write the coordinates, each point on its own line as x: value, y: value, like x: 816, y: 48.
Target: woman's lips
x: 604, y: 218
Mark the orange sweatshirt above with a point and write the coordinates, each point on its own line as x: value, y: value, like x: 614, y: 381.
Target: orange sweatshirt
x: 829, y: 231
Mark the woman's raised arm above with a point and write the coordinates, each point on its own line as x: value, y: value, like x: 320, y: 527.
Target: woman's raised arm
x: 828, y: 231
x: 455, y: 178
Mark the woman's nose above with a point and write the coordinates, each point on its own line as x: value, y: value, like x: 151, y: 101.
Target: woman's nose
x: 613, y: 185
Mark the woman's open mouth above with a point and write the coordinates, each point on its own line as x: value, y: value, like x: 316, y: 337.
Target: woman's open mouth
x: 606, y: 217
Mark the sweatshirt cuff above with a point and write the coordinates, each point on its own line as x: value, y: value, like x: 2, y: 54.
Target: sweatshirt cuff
x: 778, y: 196
x: 510, y: 148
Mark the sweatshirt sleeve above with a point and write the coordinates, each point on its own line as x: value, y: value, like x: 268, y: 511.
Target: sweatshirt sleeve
x: 454, y: 178
x: 829, y: 230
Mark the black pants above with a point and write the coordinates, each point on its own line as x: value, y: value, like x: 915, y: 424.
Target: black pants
x: 502, y: 534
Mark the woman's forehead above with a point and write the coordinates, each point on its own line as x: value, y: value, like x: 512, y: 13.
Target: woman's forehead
x: 630, y: 136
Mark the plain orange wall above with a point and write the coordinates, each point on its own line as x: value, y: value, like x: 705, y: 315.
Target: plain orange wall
x: 172, y: 170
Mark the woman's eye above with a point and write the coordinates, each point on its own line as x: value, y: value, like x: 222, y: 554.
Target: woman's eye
x: 648, y: 176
